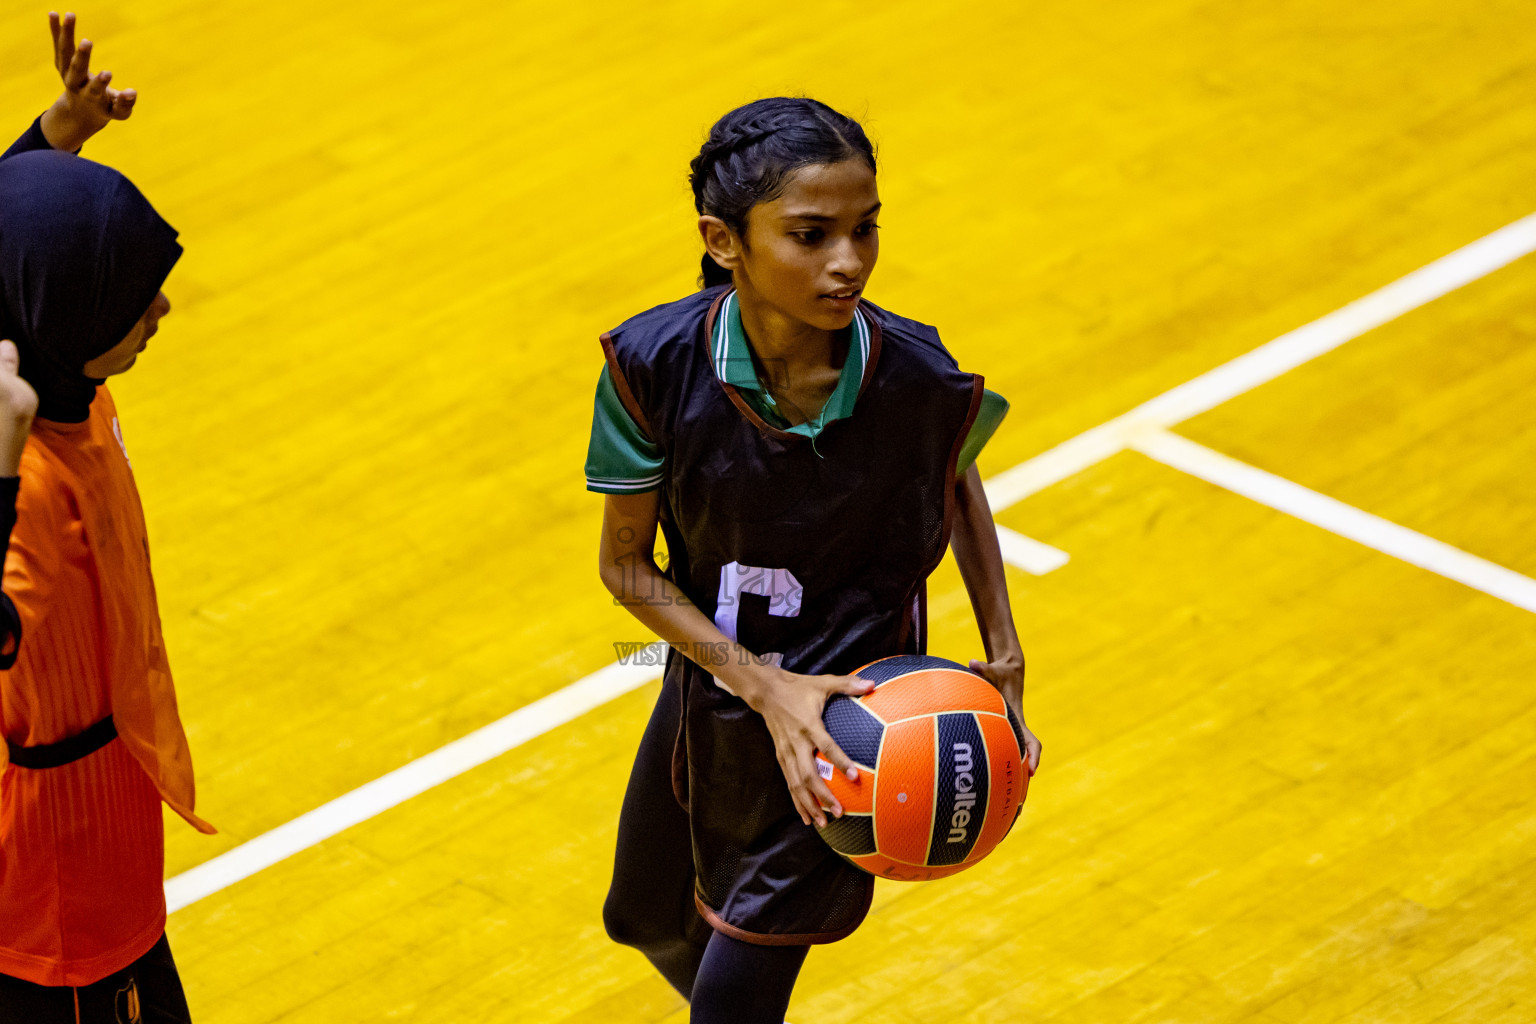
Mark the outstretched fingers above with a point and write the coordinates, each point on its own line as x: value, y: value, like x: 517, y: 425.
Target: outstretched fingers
x: 97, y: 90
x: 120, y: 104
x: 829, y: 751
x: 799, y: 790
x: 63, y: 31
x: 807, y: 789
x: 832, y: 752
x: 813, y: 800
x: 77, y: 69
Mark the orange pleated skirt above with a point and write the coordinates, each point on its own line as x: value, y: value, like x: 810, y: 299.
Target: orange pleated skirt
x: 82, y: 861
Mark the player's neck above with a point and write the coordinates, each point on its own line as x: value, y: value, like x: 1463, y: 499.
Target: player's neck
x: 785, y: 340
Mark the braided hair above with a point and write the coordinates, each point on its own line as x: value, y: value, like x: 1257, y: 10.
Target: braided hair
x: 752, y: 151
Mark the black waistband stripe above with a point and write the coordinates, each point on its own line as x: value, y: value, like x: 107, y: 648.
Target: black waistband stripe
x: 54, y: 755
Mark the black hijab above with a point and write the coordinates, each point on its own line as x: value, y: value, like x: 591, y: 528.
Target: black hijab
x: 82, y: 256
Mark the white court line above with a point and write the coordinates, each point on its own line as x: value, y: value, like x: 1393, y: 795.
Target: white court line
x: 1268, y: 361
x: 1331, y: 514
x: 1029, y: 554
x: 409, y: 780
x: 1263, y: 364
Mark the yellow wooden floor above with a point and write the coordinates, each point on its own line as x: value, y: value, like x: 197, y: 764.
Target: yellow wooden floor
x: 1287, y: 778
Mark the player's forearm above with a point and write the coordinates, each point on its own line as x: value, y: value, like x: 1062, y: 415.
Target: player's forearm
x: 63, y: 130
x: 980, y: 560
x: 31, y: 139
x: 662, y: 606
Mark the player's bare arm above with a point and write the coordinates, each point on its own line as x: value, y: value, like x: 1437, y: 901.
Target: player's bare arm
x: 88, y: 103
x: 790, y: 703
x: 980, y: 560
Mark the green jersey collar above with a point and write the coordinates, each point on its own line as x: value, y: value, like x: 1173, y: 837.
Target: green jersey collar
x: 732, y: 357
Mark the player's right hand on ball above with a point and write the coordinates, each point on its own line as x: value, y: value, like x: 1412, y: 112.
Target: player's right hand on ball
x: 18, y: 404
x: 791, y: 706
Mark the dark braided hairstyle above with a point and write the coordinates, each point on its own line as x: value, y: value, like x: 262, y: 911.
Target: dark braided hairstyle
x: 752, y: 151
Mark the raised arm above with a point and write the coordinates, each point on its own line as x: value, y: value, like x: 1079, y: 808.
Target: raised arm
x: 87, y: 104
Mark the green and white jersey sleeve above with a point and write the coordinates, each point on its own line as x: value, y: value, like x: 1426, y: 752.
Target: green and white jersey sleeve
x: 988, y: 418
x: 620, y: 458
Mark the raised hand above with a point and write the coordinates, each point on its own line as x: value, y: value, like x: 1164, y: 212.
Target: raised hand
x: 89, y: 103
x: 18, y: 404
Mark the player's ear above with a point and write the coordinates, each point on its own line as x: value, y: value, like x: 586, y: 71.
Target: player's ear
x: 723, y: 244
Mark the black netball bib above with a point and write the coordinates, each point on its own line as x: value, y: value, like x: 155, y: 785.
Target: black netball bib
x: 816, y: 554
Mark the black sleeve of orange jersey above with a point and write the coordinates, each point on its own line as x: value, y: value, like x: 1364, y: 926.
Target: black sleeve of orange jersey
x: 10, y: 619
x: 32, y: 138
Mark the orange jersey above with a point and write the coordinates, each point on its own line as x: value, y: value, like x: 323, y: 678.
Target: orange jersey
x: 82, y: 845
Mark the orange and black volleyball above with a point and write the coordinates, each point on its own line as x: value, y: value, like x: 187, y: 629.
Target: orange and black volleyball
x: 941, y: 765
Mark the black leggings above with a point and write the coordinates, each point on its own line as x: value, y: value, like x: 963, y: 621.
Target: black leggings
x: 742, y: 983
x: 650, y: 903
x: 147, y: 990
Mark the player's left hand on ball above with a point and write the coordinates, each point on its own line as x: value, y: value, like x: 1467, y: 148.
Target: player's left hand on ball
x: 89, y: 102
x: 1007, y: 674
